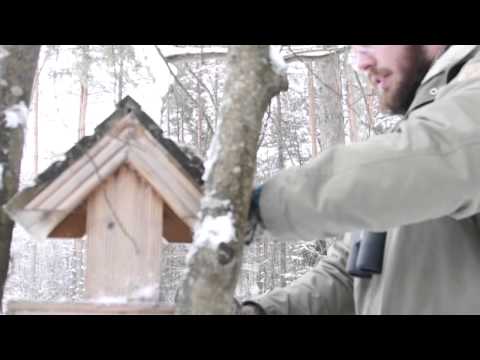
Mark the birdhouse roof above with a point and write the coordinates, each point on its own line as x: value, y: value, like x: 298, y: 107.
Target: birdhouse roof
x: 192, y: 164
x: 128, y: 135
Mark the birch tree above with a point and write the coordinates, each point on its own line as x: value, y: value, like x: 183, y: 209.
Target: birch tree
x: 255, y: 74
x: 84, y: 66
x: 17, y: 71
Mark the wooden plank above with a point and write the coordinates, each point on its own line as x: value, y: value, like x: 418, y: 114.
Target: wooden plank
x: 124, y: 246
x: 30, y: 308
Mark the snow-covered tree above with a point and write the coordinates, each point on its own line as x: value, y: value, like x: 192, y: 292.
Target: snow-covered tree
x: 17, y: 71
x: 255, y: 76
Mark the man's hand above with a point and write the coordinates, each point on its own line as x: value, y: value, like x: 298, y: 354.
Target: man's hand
x: 254, y: 217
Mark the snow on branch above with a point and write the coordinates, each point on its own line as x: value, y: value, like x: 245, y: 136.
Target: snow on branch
x: 278, y: 63
x: 215, y: 230
x: 16, y: 115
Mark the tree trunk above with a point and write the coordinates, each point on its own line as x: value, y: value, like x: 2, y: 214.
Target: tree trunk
x: 312, y: 115
x: 279, y: 131
x: 34, y: 269
x: 35, y: 134
x: 17, y: 70
x: 83, y: 110
x: 281, y: 165
x: 215, y: 93
x: 215, y: 258
x: 84, y: 79
x: 200, y: 118
x: 261, y: 268
x: 84, y: 72
x: 36, y: 92
x: 352, y: 116
x: 178, y: 120
x: 331, y: 124
x: 78, y: 243
x: 273, y: 258
x: 168, y: 115
x: 180, y: 131
x: 121, y: 74
x: 36, y: 89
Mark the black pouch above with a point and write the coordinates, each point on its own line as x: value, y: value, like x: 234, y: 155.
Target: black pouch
x: 366, y: 255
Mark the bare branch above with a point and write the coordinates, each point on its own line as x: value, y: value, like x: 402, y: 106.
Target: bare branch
x: 207, y: 118
x: 202, y: 84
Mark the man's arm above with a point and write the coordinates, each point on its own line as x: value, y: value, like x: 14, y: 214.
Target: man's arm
x: 326, y: 289
x: 430, y: 169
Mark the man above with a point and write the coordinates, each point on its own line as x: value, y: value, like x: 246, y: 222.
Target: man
x: 418, y: 186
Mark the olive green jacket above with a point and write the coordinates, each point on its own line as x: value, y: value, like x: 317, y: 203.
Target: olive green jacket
x: 419, y: 183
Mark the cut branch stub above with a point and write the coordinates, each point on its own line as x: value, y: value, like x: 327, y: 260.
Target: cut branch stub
x: 255, y: 74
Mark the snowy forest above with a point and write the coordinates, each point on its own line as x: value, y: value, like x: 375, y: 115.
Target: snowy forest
x: 76, y: 87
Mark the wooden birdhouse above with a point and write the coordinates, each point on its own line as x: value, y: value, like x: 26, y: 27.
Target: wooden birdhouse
x: 125, y: 190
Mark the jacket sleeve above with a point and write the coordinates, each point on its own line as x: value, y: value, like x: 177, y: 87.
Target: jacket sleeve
x: 429, y: 169
x: 326, y: 290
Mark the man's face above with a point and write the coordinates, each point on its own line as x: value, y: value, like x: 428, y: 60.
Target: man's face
x: 395, y: 70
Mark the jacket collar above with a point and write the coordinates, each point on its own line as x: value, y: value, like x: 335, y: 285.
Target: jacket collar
x: 449, y: 58
x: 438, y: 75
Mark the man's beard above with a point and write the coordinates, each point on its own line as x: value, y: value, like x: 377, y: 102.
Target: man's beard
x: 414, y: 67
